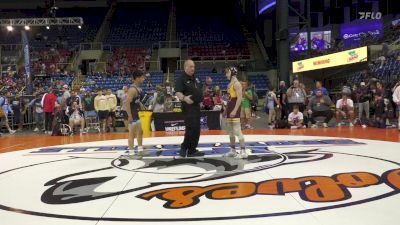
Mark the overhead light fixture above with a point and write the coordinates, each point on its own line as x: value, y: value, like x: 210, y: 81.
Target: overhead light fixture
x: 47, y: 27
x: 27, y: 28
x: 80, y: 27
x: 10, y: 28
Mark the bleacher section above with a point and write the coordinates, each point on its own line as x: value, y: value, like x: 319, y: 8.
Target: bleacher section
x: 388, y: 72
x: 211, y: 35
x: 115, y: 82
x: 138, y: 25
x: 123, y: 59
x: 261, y: 81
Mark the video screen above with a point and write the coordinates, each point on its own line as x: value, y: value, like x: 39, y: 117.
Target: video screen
x: 320, y: 40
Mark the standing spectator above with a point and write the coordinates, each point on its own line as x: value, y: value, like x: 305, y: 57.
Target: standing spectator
x: 319, y: 105
x: 19, y: 110
x: 254, y: 100
x: 49, y: 104
x: 74, y: 98
x: 246, y: 109
x: 4, y: 103
x: 379, y: 103
x: 38, y: 113
x: 66, y: 94
x: 396, y: 99
x: 296, y: 96
x: 362, y: 97
x: 112, y: 104
x: 318, y: 86
x: 295, y: 118
x: 344, y: 108
x: 101, y: 107
x: 282, y: 114
x: 271, y: 102
x: 158, y: 100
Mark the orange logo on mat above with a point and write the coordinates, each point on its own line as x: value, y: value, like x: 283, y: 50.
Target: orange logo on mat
x: 311, y: 188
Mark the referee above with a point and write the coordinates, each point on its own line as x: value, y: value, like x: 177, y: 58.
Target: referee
x: 190, y: 91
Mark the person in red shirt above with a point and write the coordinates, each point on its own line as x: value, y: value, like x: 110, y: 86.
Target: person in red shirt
x: 49, y: 104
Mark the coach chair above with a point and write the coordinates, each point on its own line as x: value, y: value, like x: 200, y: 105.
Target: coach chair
x: 92, y: 121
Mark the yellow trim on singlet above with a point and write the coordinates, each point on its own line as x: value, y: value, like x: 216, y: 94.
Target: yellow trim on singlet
x: 233, y: 120
x: 231, y: 91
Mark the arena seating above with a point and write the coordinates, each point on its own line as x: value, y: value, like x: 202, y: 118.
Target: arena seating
x: 116, y: 82
x: 136, y: 25
x: 219, y: 79
x: 126, y: 57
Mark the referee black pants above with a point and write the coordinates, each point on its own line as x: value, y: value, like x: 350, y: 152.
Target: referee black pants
x: 191, y: 114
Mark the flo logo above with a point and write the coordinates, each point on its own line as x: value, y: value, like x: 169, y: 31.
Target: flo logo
x: 68, y: 182
x: 352, y: 56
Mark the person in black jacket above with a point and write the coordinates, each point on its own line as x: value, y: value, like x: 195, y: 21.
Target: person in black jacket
x: 190, y: 92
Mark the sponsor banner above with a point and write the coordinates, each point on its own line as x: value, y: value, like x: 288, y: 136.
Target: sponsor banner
x: 351, y: 34
x: 337, y: 59
x: 174, y: 121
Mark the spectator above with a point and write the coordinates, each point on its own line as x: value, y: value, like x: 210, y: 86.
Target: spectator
x: 282, y: 114
x: 112, y: 104
x: 362, y: 98
x: 396, y: 99
x: 49, y: 104
x: 76, y: 117
x: 245, y: 113
x: 74, y: 98
x: 217, y: 98
x: 319, y: 105
x: 169, y: 105
x: 4, y: 103
x: 208, y: 103
x: 296, y: 96
x: 295, y: 118
x: 271, y: 102
x: 318, y: 86
x: 379, y: 103
x: 38, y: 113
x: 102, y: 108
x: 158, y: 100
x: 344, y: 108
x: 19, y: 109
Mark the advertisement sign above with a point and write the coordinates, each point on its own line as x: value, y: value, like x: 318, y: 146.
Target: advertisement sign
x: 337, y: 59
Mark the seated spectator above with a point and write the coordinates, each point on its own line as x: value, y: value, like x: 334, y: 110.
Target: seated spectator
x: 217, y: 98
x: 208, y: 103
x: 318, y: 86
x: 169, y: 105
x: 319, y: 105
x: 76, y: 117
x: 344, y: 108
x: 296, y: 118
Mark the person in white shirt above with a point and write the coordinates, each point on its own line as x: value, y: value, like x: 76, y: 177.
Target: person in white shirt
x: 112, y: 103
x: 296, y: 118
x: 344, y: 108
x: 396, y: 99
x: 76, y: 117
